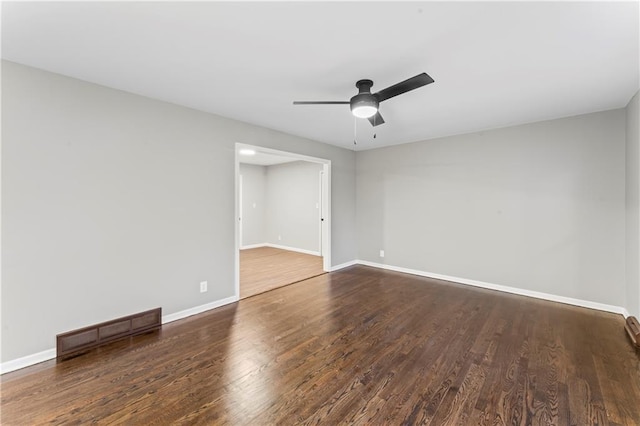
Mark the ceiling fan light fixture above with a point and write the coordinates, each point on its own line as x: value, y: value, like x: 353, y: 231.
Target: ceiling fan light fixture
x: 364, y: 106
x: 364, y: 111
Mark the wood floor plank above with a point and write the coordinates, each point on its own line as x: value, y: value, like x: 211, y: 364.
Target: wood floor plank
x: 266, y: 268
x: 357, y: 346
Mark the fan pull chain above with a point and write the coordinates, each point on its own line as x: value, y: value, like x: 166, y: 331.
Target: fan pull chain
x: 374, y: 125
x: 355, y: 121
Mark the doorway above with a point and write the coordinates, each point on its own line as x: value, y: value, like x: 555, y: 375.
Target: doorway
x: 283, y: 218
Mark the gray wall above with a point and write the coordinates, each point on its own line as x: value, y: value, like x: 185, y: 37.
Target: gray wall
x: 254, y: 204
x: 282, y: 200
x: 632, y: 210
x: 538, y: 207
x: 113, y: 203
x: 293, y: 193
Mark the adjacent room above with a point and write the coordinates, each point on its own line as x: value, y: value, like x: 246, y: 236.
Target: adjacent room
x: 283, y: 218
x: 320, y: 213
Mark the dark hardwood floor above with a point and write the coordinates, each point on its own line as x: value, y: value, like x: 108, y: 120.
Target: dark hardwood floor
x: 359, y: 346
x: 265, y: 268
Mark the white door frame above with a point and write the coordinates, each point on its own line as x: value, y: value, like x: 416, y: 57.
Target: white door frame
x: 325, y: 202
x: 325, y: 213
x: 240, y: 207
x: 320, y: 211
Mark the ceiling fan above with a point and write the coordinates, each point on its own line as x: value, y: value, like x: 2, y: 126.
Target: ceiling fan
x: 365, y: 104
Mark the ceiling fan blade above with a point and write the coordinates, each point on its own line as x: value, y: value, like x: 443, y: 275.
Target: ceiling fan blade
x: 403, y: 87
x: 320, y: 102
x: 376, y: 119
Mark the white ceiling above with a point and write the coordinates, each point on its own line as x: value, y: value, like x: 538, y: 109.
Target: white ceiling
x: 494, y: 63
x: 265, y: 159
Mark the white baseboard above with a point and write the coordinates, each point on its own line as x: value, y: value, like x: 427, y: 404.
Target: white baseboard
x: 278, y: 246
x: 513, y: 290
x: 299, y: 250
x: 26, y: 361
x: 343, y: 265
x: 198, y: 309
x: 252, y: 246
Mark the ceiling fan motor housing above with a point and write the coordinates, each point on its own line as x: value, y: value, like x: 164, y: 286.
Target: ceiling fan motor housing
x: 364, y: 99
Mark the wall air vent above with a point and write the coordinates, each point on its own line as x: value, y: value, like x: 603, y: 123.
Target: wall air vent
x: 100, y: 334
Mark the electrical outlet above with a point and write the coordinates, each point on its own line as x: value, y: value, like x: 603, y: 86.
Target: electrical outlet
x: 203, y: 287
x: 279, y: 237
x: 381, y: 253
